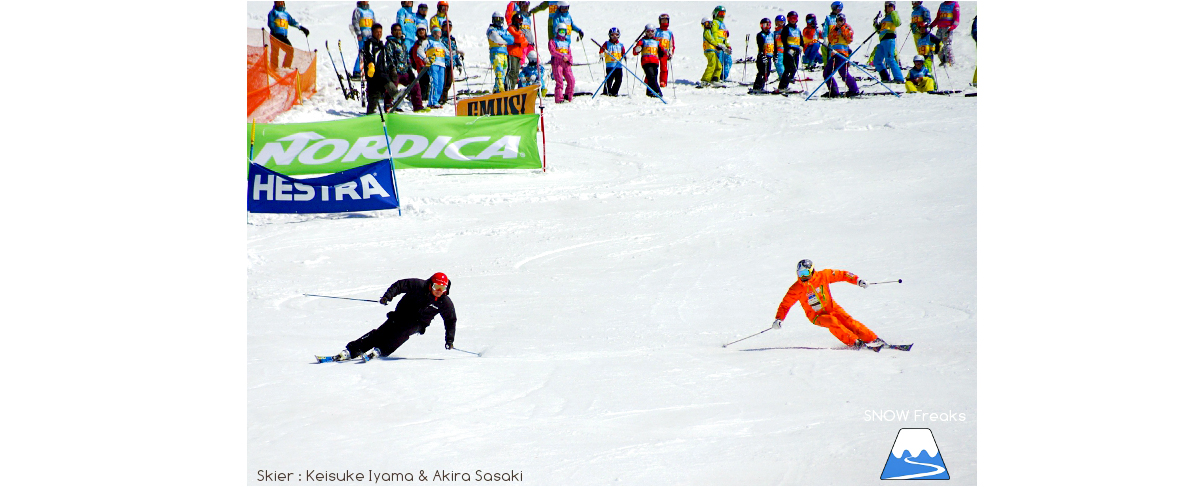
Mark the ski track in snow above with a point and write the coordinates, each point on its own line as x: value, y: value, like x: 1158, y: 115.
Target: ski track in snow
x: 601, y: 290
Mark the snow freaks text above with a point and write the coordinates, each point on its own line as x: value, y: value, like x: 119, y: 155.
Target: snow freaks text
x: 378, y: 477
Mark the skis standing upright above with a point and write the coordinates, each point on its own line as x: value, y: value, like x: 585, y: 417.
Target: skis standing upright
x: 335, y: 71
x: 353, y: 92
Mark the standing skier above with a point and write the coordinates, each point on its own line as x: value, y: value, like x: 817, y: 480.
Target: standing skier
x: 780, y: 24
x: 920, y: 17
x: 835, y: 9
x: 419, y: 61
x: 713, y: 69
x: 812, y: 42
x: 766, y: 54
x: 666, y: 47
x: 562, y: 15
x: 454, y: 58
x: 946, y: 22
x: 885, y: 52
x: 423, y: 299
x: 560, y: 60
x: 725, y: 51
x: 361, y: 22
x: 408, y: 23
x: 434, y: 52
x: 975, y: 78
x: 648, y: 48
x: 399, y: 61
x: 380, y: 88
x: 522, y: 9
x: 811, y: 289
x: 279, y: 21
x: 614, y: 54
x: 439, y: 19
x: 840, y: 38
x: 516, y: 51
x: 792, y: 43
x: 498, y: 40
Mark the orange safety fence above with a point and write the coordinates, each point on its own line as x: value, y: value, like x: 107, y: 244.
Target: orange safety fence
x: 278, y: 76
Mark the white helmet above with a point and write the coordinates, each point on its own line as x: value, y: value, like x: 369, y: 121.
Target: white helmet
x: 650, y: 27
x: 705, y: 20
x: 918, y: 58
x: 563, y: 4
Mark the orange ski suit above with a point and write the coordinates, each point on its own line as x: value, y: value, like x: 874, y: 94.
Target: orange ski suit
x: 820, y: 307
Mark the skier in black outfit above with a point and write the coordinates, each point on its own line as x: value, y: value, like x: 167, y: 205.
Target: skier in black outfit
x: 423, y: 299
x: 379, y: 69
x: 766, y: 54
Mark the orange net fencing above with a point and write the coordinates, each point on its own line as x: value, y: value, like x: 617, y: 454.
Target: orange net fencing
x: 278, y: 76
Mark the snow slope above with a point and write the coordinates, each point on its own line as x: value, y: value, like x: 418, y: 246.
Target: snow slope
x: 600, y: 292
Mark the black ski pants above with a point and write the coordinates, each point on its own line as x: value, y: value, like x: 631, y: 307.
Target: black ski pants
x: 651, y: 71
x: 379, y: 89
x: 612, y: 87
x: 764, y: 71
x: 791, y: 56
x: 388, y: 337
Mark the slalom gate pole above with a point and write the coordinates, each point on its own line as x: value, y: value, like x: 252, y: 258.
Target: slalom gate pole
x: 671, y: 64
x: 464, y: 351
x: 541, y: 85
x: 338, y: 297
x: 388, y: 140
x: 751, y: 336
x: 897, y: 281
x: 252, y: 125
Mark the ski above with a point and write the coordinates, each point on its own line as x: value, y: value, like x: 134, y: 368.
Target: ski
x: 326, y: 359
x: 943, y: 92
x: 345, y: 93
x: 353, y: 92
x: 902, y: 348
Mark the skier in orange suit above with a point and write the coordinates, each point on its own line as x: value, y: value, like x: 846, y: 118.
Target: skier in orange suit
x: 812, y: 291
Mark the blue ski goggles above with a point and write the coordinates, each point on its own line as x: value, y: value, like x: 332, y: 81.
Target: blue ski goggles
x: 804, y: 272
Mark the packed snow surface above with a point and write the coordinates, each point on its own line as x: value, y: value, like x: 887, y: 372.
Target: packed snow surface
x: 600, y: 291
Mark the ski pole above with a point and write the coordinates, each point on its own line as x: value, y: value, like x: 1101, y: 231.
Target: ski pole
x: 349, y: 83
x: 338, y: 297
x: 464, y: 351
x: 589, y: 68
x: 745, y: 56
x: 751, y: 336
x: 897, y: 281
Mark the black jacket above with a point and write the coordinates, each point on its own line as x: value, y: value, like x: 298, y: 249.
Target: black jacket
x: 419, y: 306
x: 374, y: 52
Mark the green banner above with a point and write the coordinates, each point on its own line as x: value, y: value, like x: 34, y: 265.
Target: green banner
x: 508, y: 142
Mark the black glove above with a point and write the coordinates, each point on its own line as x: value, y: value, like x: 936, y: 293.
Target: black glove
x: 580, y: 34
x: 383, y: 300
x: 303, y: 29
x: 449, y: 344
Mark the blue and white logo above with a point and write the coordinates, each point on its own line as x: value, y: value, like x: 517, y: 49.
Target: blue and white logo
x: 915, y: 456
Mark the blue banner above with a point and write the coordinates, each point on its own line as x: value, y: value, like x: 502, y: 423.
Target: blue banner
x: 363, y: 188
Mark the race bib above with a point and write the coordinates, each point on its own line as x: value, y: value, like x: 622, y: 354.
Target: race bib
x: 814, y: 302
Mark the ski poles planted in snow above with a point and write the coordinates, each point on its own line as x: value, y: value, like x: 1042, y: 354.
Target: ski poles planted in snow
x: 339, y: 297
x: 751, y: 336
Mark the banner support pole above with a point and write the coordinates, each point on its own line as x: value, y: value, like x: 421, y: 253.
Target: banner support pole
x: 392, y: 162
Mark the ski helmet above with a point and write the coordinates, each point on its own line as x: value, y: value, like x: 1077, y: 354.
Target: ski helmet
x: 719, y: 11
x: 793, y: 16
x: 889, y: 3
x: 497, y: 18
x: 664, y: 17
x: 705, y: 20
x: 765, y: 21
x: 841, y: 17
x: 810, y: 19
x: 836, y: 6
x: 563, y: 5
x: 649, y: 28
x: 562, y: 29
x: 918, y: 59
x: 614, y: 31
x: 439, y: 279
x: 442, y: 3
x: 422, y: 6
x: 363, y: 4
x: 780, y: 18
x: 804, y: 269
x: 280, y: 6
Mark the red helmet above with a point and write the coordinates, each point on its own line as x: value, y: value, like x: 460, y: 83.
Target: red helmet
x: 443, y: 4
x: 440, y: 279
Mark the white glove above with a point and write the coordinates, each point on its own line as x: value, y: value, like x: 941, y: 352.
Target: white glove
x: 777, y: 324
x: 863, y: 284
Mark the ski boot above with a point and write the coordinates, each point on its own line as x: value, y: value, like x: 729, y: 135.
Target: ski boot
x: 342, y: 356
x: 370, y: 354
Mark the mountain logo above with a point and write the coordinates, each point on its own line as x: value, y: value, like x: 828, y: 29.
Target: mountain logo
x: 915, y: 456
